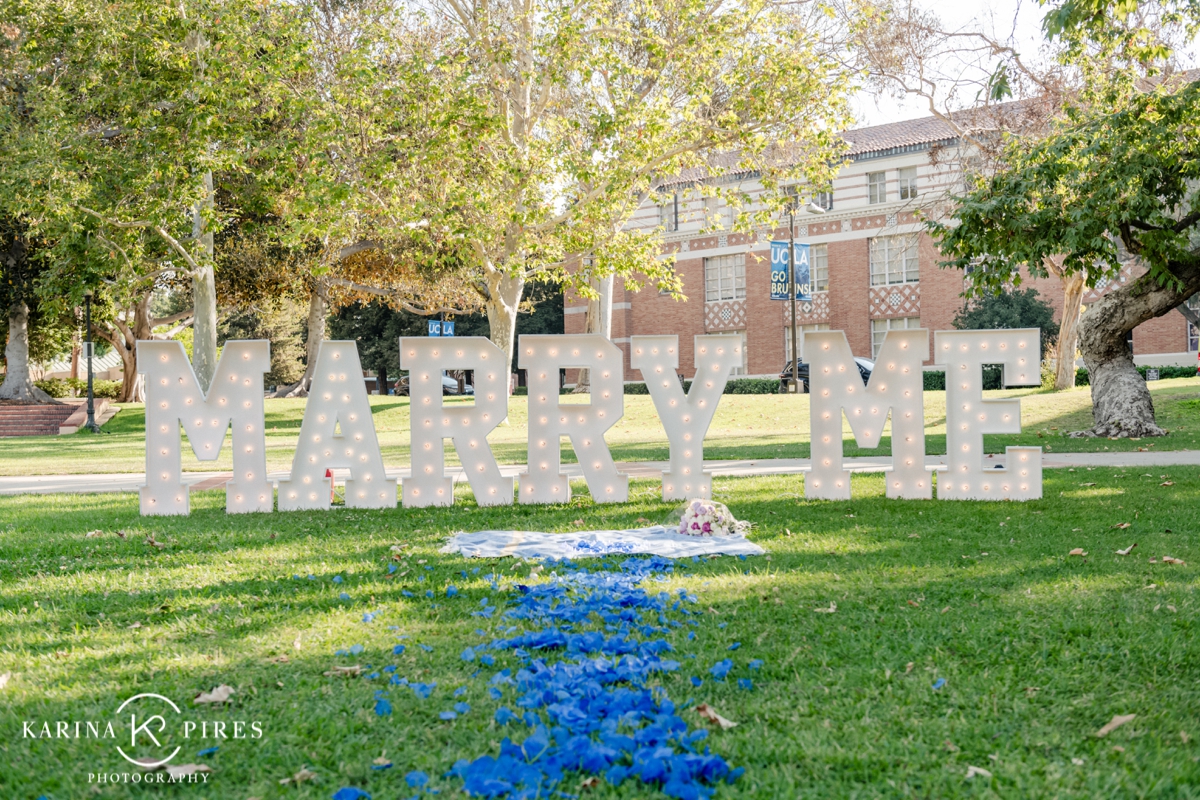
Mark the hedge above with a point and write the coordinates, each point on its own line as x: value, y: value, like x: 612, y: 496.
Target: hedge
x: 1082, y: 379
x: 59, y: 388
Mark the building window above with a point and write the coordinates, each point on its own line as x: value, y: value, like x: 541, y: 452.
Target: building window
x: 668, y: 214
x: 1193, y: 333
x: 880, y: 327
x: 893, y: 259
x: 819, y: 267
x: 725, y: 278
x: 824, y: 200
x: 876, y: 187
x: 743, y: 368
x: 800, y: 331
x: 908, y: 183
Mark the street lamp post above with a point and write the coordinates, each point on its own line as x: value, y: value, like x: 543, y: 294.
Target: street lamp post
x: 793, y: 379
x: 87, y: 323
x: 811, y: 208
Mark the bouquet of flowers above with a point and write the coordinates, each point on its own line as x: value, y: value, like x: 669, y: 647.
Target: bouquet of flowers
x: 709, y: 518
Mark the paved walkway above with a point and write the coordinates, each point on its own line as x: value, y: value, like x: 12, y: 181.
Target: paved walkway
x: 198, y: 481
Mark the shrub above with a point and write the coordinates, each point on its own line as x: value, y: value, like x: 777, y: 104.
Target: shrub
x: 935, y: 381
x: 109, y: 390
x: 55, y: 387
x: 1164, y: 373
x: 752, y: 386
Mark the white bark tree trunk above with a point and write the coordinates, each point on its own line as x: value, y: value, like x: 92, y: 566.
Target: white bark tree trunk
x: 204, y: 295
x: 599, y: 320
x: 1121, y: 402
x: 318, y: 313
x: 18, y: 382
x: 504, y: 300
x: 1068, y: 332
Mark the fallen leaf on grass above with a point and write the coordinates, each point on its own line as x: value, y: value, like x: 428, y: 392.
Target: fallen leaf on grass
x: 1127, y: 550
x: 135, y: 626
x: 1183, y: 737
x: 93, y: 534
x: 832, y: 608
x: 1170, y: 560
x: 577, y: 522
x: 710, y: 714
x: 908, y: 667
x: 944, y: 610
x: 1117, y: 721
x: 1167, y: 483
x: 951, y: 746
x: 280, y: 659
x: 150, y: 541
x: 382, y: 761
x: 300, y: 777
x: 4, y: 679
x: 590, y: 783
x: 913, y: 603
x: 1087, y: 484
x: 980, y: 771
x: 345, y: 672
x: 1078, y: 551
x: 1120, y: 526
x: 643, y: 520
x: 219, y: 694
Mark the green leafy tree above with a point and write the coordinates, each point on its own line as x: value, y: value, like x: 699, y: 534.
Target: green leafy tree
x: 512, y: 143
x: 1112, y: 186
x: 1012, y: 309
x: 133, y: 114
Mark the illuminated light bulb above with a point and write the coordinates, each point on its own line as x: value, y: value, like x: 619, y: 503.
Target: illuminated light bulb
x: 163, y: 428
x: 987, y: 488
x: 162, y: 405
x: 162, y: 358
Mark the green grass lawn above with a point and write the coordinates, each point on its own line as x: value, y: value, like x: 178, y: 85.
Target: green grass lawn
x: 1038, y: 649
x: 745, y: 427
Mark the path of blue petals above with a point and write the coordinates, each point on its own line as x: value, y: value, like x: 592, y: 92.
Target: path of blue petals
x: 583, y: 691
x: 581, y: 702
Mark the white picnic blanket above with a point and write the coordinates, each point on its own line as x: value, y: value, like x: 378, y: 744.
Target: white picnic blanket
x: 656, y: 540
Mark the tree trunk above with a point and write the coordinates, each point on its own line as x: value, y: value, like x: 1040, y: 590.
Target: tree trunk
x: 318, y: 311
x: 204, y: 295
x: 381, y: 380
x: 1068, y: 331
x: 18, y: 382
x: 1121, y: 402
x: 599, y: 320
x: 503, y: 302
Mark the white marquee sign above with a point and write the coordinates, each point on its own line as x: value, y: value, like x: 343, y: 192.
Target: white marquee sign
x: 338, y: 431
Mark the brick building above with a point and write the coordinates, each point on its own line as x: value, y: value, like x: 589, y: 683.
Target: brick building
x: 873, y: 268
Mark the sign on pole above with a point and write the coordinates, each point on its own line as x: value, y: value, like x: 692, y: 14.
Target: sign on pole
x: 447, y: 328
x: 779, y: 271
x: 435, y: 328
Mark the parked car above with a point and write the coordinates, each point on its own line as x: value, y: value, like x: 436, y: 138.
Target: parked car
x: 865, y: 367
x: 449, y: 387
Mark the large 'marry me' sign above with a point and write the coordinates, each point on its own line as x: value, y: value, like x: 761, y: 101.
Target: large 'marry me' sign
x: 338, y: 431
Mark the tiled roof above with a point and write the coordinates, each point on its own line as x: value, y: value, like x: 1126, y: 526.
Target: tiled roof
x: 861, y: 141
x: 876, y: 138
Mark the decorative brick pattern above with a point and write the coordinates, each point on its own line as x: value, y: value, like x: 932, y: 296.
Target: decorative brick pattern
x: 728, y: 315
x: 808, y: 313
x: 897, y: 300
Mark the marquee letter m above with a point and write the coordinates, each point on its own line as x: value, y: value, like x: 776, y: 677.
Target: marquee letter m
x: 174, y: 398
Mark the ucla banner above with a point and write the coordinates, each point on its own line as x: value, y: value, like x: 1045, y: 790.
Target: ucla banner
x: 780, y: 257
